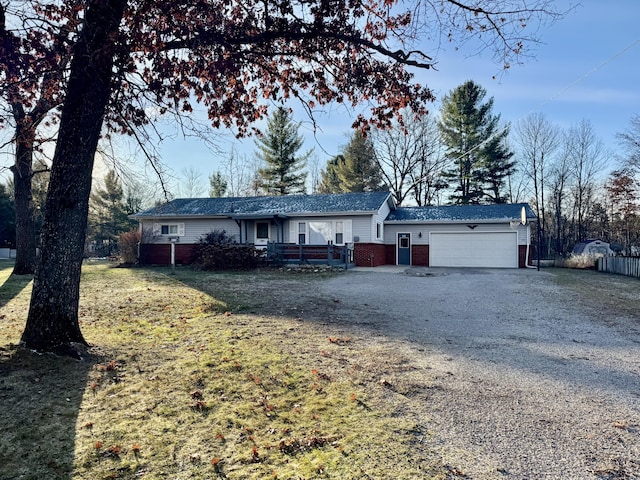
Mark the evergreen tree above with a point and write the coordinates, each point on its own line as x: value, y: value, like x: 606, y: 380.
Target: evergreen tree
x: 476, y: 146
x: 355, y: 170
x: 278, y: 148
x: 329, y: 179
x: 217, y: 185
x: 497, y: 167
x: 108, y: 215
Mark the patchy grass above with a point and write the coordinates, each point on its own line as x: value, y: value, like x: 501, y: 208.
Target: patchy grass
x: 605, y: 292
x: 198, y: 375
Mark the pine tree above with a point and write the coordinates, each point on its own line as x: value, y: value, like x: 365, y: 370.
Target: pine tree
x: 497, y: 167
x: 218, y: 185
x: 329, y: 179
x: 108, y: 215
x: 475, y: 145
x: 278, y: 148
x: 355, y: 170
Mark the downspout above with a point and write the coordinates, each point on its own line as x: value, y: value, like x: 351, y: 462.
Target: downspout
x: 526, y: 260
x: 239, y: 223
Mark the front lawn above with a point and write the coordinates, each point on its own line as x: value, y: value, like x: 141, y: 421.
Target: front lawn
x: 197, y: 375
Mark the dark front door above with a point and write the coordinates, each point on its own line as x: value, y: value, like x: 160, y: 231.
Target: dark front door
x: 404, y: 249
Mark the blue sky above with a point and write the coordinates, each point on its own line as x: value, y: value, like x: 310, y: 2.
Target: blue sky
x: 586, y: 67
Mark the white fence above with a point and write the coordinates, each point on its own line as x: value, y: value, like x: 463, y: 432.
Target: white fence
x: 629, y: 266
x: 7, y: 253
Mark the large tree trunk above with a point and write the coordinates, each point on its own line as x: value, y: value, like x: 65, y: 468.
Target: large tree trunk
x: 52, y: 324
x: 22, y: 169
x: 25, y: 228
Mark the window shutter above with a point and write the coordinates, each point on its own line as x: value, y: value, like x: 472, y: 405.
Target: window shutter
x: 293, y: 232
x: 181, y: 229
x: 348, y: 232
x: 156, y: 229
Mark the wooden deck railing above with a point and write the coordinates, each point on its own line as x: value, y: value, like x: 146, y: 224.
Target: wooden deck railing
x: 329, y: 254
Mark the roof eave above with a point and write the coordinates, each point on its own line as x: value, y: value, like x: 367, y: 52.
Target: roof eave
x: 324, y: 214
x: 469, y: 220
x: 176, y: 216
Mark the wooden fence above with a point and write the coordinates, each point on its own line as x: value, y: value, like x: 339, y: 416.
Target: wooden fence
x: 629, y: 266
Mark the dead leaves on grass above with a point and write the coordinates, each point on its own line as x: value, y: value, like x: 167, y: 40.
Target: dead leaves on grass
x: 294, y: 446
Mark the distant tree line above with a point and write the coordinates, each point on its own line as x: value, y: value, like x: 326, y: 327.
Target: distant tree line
x: 464, y: 155
x: 566, y: 176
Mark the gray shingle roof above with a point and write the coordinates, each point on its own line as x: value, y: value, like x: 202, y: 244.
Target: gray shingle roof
x: 461, y: 213
x: 268, y: 206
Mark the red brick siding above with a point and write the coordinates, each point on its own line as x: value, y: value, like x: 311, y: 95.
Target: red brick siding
x: 160, y: 254
x: 420, y: 255
x: 183, y: 254
x: 522, y: 254
x: 390, y: 254
x: 369, y: 254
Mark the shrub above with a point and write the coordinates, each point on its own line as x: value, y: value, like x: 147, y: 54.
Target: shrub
x: 216, y: 237
x: 128, y: 243
x: 582, y: 261
x: 217, y: 251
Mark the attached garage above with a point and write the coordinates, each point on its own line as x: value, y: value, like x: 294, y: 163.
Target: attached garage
x: 485, y: 236
x: 474, y: 249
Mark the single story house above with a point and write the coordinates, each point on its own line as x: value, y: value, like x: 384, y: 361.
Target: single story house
x: 369, y: 223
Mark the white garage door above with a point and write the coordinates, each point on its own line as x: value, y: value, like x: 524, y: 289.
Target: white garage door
x: 474, y: 249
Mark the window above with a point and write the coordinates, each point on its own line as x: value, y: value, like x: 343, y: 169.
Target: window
x: 169, y: 229
x: 378, y: 230
x: 404, y: 242
x: 320, y: 232
x: 174, y: 229
x: 302, y: 233
x: 339, y: 233
x: 262, y: 230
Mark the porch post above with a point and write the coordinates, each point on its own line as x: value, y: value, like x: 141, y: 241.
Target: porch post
x: 173, y: 255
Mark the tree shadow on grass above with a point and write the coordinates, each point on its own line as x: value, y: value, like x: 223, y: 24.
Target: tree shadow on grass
x: 12, y: 287
x: 40, y: 398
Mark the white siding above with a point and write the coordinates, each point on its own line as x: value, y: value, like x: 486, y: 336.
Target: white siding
x: 362, y: 228
x: 379, y: 218
x: 392, y: 229
x: 391, y: 233
x: 194, y: 228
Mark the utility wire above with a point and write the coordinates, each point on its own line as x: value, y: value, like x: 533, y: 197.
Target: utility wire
x: 554, y: 97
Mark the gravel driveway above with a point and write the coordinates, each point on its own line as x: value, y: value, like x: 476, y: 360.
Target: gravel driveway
x: 520, y: 380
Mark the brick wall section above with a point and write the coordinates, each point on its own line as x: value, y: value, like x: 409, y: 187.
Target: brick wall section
x: 155, y: 254
x: 365, y: 254
x: 369, y: 254
x: 522, y: 254
x: 420, y: 255
x: 390, y: 254
x: 183, y: 254
x: 161, y: 254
